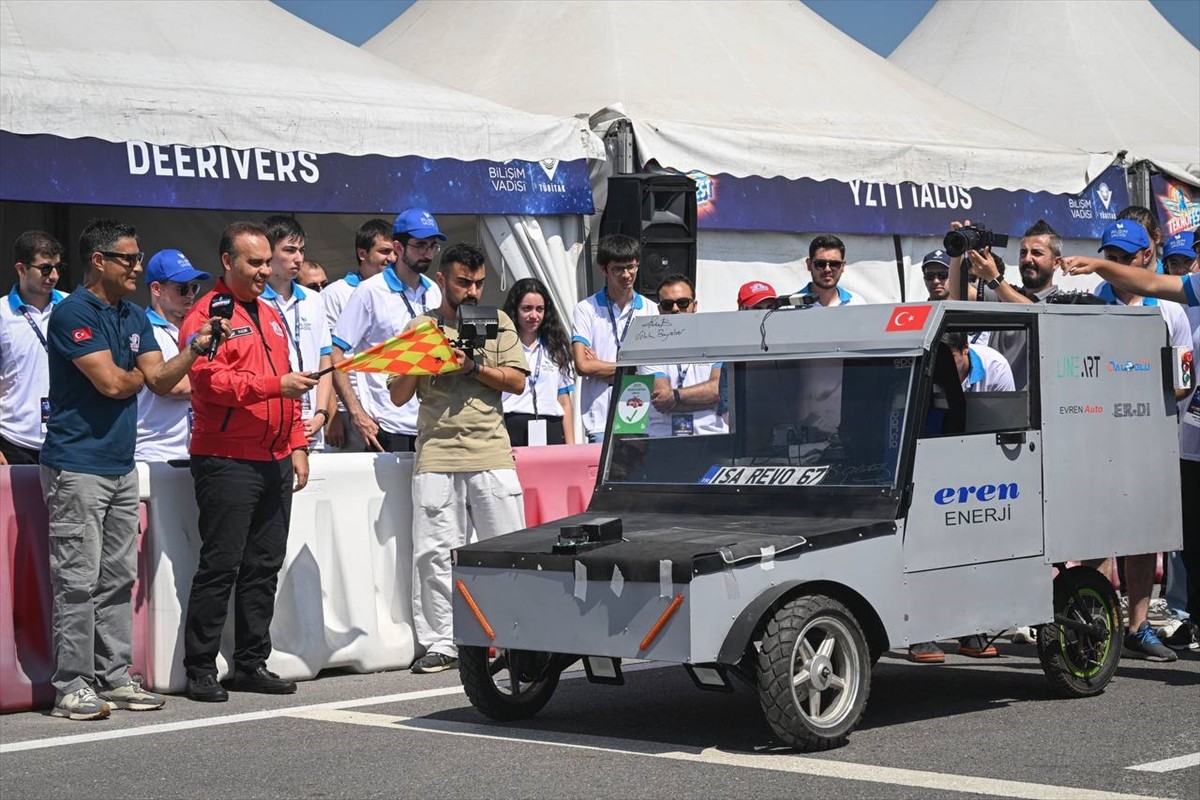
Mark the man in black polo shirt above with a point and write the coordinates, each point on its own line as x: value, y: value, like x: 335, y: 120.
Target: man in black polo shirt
x: 101, y: 352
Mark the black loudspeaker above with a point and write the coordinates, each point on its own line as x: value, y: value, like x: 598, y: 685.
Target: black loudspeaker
x: 659, y: 211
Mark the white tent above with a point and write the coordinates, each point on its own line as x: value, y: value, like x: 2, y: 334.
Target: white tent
x: 765, y: 88
x: 744, y: 89
x: 1097, y: 74
x: 247, y: 80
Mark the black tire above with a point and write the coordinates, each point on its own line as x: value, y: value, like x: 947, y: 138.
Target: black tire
x: 813, y: 643
x: 512, y: 685
x: 1079, y: 664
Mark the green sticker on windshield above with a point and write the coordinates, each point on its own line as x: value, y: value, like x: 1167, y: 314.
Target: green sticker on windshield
x: 633, y: 404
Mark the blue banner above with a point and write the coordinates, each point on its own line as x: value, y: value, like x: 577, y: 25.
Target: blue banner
x: 908, y: 209
x: 50, y: 169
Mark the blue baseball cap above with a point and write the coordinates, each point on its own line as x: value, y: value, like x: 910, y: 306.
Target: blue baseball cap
x: 939, y: 257
x: 417, y: 223
x: 1125, y: 234
x: 172, y: 265
x: 1181, y: 244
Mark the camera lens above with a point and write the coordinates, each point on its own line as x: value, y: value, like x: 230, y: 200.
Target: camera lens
x: 959, y: 242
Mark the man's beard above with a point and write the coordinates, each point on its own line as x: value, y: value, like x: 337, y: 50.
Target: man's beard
x: 421, y: 267
x: 1037, y: 280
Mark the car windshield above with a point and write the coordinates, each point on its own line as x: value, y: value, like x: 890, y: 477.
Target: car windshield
x: 786, y: 423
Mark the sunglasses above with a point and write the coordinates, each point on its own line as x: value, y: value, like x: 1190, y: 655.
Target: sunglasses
x: 821, y: 263
x: 937, y: 276
x: 316, y: 286
x: 130, y: 260
x: 684, y: 304
x: 46, y: 269
x: 186, y: 289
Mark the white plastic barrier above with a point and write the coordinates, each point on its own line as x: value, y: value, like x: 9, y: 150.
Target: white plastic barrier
x: 344, y: 597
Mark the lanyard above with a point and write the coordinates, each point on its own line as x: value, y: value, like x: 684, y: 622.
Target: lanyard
x: 536, y: 374
x: 412, y: 313
x: 682, y: 371
x: 29, y: 318
x: 613, y: 319
x: 293, y: 330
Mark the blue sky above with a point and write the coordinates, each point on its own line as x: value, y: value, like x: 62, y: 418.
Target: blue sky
x: 878, y: 24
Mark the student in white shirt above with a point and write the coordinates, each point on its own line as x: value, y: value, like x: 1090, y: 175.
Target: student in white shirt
x: 373, y: 252
x: 24, y: 368
x: 164, y: 425
x: 309, y: 346
x: 601, y: 322
x: 381, y: 307
x: 543, y: 413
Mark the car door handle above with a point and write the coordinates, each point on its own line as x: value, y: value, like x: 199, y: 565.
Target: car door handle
x: 1010, y: 437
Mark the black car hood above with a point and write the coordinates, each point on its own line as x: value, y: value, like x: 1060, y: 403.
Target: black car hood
x: 694, y: 544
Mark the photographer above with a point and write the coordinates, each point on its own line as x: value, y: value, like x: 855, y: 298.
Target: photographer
x: 1041, y: 257
x: 464, y: 474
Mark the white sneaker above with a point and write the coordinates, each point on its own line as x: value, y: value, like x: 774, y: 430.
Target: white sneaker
x: 1169, y: 627
x: 132, y: 697
x: 80, y: 704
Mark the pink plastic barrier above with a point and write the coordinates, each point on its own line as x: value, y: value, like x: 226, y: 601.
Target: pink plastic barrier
x: 26, y: 660
x: 557, y: 480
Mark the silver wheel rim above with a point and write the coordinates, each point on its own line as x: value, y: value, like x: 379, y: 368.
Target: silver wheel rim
x: 825, y: 672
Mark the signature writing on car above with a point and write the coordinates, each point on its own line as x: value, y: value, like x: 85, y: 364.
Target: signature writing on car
x: 659, y: 328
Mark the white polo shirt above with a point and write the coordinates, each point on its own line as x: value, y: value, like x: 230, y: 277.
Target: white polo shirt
x: 600, y: 325
x: 380, y: 308
x: 24, y: 369
x: 164, y: 424
x: 685, y: 423
x: 334, y: 299
x: 845, y: 296
x: 989, y: 372
x: 307, y: 333
x: 545, y: 382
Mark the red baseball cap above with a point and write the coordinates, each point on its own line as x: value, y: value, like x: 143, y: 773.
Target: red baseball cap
x: 754, y: 292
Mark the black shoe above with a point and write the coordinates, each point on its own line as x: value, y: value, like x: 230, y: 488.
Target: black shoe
x: 263, y: 681
x: 205, y: 689
x: 434, y: 662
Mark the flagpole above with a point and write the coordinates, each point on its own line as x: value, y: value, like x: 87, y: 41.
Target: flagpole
x: 341, y: 364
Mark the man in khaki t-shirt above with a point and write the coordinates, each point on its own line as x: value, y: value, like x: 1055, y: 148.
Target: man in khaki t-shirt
x: 464, y: 474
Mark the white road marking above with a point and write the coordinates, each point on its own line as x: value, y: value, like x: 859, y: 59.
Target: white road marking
x: 253, y: 716
x: 778, y: 762
x: 1169, y: 764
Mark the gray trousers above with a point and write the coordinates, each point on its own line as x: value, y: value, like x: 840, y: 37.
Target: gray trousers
x: 93, y: 563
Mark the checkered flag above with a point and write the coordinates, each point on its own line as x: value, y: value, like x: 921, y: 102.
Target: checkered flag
x: 424, y: 350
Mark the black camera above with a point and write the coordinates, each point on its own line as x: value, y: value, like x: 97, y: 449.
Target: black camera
x: 476, y: 324
x: 974, y: 237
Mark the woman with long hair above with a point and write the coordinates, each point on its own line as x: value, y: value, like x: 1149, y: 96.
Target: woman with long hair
x: 542, y: 414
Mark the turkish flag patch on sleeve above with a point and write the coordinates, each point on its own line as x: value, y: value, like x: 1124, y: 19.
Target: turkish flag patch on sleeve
x: 908, y: 318
x: 81, y: 335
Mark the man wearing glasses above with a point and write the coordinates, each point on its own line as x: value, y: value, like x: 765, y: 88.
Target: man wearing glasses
x: 312, y: 276
x: 685, y: 396
x: 164, y: 423
x: 826, y: 262
x: 601, y: 322
x: 102, y: 351
x: 380, y: 308
x: 24, y: 317
x: 935, y: 269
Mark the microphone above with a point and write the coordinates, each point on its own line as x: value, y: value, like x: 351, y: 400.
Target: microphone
x: 220, y: 306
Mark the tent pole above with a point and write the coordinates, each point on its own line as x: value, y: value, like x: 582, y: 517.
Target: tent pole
x: 899, y: 265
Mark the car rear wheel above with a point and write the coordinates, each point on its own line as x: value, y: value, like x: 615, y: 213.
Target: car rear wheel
x: 1081, y: 649
x: 814, y: 673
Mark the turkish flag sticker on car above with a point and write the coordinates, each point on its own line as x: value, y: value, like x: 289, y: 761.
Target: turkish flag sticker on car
x: 81, y: 335
x: 908, y: 318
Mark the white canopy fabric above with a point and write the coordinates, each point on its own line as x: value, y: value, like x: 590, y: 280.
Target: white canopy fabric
x: 1096, y: 74
x: 245, y: 74
x: 765, y: 88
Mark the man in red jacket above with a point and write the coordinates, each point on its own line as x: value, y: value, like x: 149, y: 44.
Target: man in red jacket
x: 248, y: 446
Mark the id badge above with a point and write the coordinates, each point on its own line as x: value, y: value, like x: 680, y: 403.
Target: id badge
x: 306, y: 411
x: 683, y: 425
x: 45, y: 413
x: 535, y: 432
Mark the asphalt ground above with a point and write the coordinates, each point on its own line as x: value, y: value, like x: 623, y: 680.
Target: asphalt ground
x: 966, y: 728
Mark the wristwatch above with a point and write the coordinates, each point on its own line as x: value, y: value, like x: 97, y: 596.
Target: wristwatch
x: 323, y: 412
x: 995, y: 282
x: 195, y: 347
